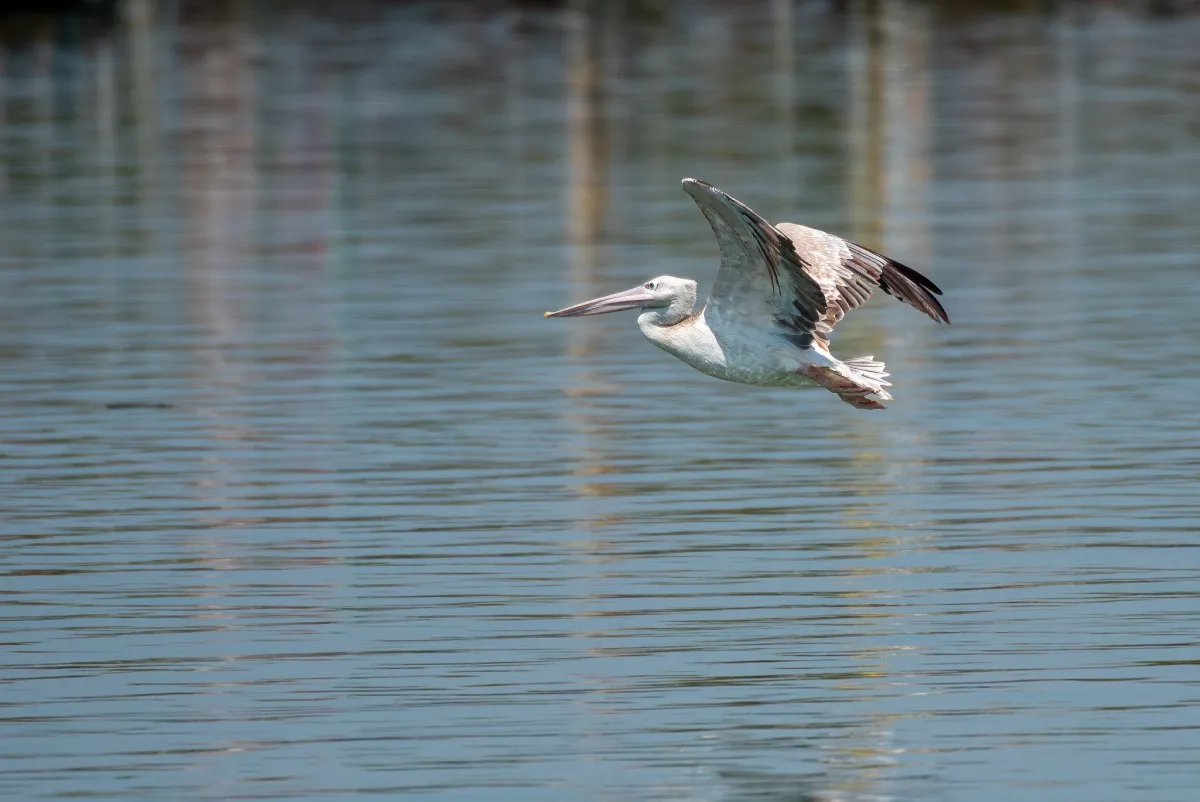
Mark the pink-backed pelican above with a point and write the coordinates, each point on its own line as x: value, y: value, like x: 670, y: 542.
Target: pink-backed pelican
x: 779, y: 293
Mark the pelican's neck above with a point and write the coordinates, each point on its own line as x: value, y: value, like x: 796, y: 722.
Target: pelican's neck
x: 659, y: 325
x: 689, y: 339
x: 659, y: 317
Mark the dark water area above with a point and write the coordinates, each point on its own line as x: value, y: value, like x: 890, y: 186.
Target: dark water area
x: 304, y: 499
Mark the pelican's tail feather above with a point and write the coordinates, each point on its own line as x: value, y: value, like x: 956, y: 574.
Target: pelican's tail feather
x: 867, y: 368
x: 860, y: 382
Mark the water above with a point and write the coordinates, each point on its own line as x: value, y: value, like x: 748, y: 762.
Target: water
x: 303, y: 499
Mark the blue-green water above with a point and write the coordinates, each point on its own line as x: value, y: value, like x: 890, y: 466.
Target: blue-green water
x: 397, y: 536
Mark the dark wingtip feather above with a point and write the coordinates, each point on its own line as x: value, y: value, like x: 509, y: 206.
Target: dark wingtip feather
x: 900, y: 287
x: 920, y: 290
x: 902, y: 282
x: 919, y: 279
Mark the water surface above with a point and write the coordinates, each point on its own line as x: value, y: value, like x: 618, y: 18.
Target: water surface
x: 305, y: 500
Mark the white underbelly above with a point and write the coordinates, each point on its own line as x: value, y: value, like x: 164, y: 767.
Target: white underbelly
x: 750, y: 357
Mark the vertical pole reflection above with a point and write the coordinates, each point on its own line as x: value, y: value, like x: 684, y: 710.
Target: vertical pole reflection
x: 4, y: 69
x: 587, y: 149
x: 784, y: 46
x: 516, y: 91
x: 906, y: 161
x: 217, y: 142
x: 866, y: 124
x: 890, y: 174
x: 1067, y: 107
x: 588, y: 152
x: 587, y: 135
x: 141, y: 30
x: 42, y: 149
x: 889, y: 131
x: 106, y: 141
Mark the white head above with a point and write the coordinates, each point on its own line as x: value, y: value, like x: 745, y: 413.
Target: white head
x: 666, y: 300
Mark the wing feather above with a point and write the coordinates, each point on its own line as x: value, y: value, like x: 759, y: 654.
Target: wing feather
x: 811, y: 279
x: 763, y: 280
x: 848, y: 274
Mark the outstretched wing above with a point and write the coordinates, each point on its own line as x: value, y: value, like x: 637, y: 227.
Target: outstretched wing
x: 848, y: 274
x: 763, y: 281
x: 798, y: 280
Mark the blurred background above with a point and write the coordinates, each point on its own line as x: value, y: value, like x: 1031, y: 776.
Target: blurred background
x: 303, y: 499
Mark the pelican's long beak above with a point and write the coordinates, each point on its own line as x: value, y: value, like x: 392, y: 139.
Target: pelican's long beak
x: 617, y: 302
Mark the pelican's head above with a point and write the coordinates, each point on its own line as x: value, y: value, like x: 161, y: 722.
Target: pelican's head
x: 666, y: 298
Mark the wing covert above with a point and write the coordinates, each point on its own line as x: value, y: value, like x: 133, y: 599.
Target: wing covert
x: 849, y: 274
x: 762, y: 277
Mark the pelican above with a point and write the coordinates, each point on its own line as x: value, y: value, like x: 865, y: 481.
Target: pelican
x: 779, y: 293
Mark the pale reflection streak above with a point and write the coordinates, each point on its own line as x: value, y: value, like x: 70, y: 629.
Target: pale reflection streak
x: 140, y: 18
x: 1067, y: 103
x: 587, y: 191
x: 516, y: 91
x: 219, y: 185
x: 588, y: 161
x: 865, y: 130
x: 783, y: 20
x: 43, y: 113
x: 224, y: 186
x: 106, y: 141
x: 217, y: 138
x: 251, y: 352
x: 587, y: 152
x: 889, y: 209
x: 4, y: 81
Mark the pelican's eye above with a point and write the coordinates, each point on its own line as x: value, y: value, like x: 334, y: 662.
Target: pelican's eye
x: 651, y: 285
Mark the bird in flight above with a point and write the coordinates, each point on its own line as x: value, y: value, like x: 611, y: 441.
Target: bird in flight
x: 779, y: 293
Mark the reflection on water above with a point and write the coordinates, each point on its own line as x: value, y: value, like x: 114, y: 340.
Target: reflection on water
x: 305, y: 499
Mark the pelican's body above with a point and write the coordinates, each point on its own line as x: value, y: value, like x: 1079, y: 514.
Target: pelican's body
x: 778, y: 294
x: 736, y: 354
